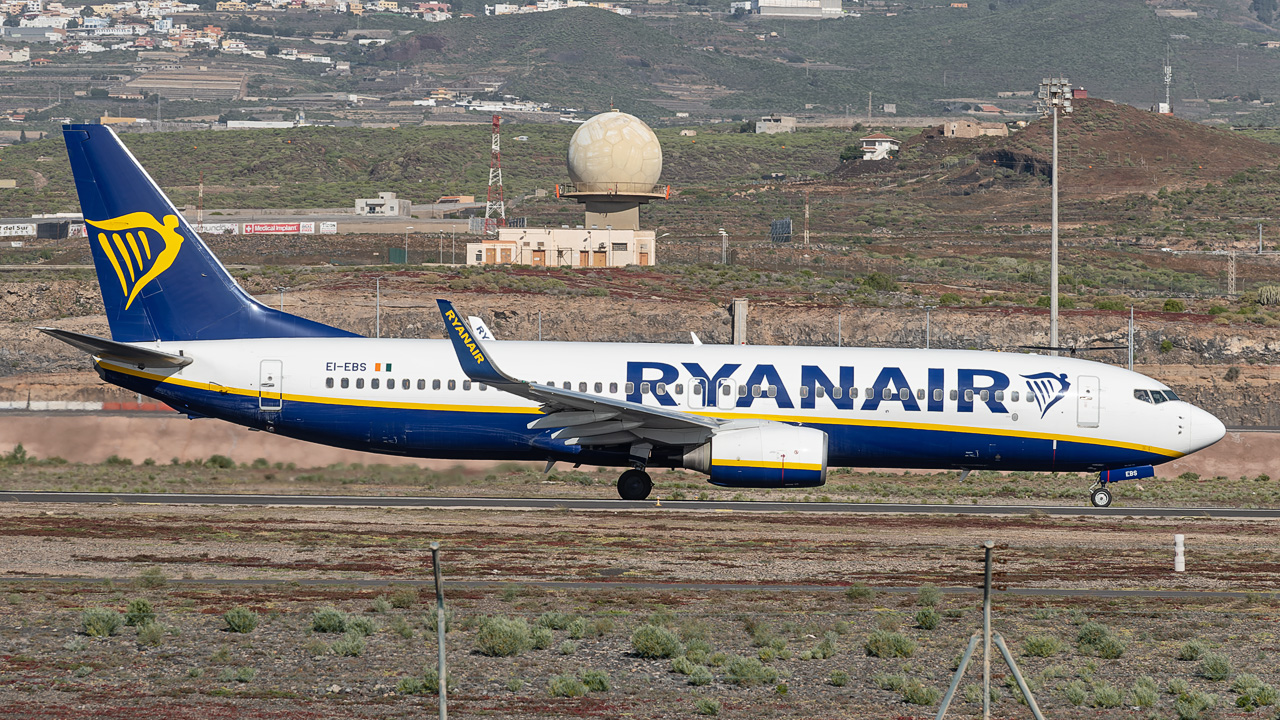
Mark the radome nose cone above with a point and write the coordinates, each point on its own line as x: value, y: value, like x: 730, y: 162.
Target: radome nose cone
x: 1205, y: 430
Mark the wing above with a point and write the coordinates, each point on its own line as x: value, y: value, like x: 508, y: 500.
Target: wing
x: 581, y: 419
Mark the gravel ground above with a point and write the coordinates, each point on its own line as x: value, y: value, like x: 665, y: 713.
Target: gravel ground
x: 50, y: 668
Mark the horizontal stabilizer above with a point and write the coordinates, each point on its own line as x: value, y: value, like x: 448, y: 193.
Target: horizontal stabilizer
x: 112, y: 350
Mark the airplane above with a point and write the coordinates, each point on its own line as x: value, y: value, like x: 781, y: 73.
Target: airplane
x: 185, y: 333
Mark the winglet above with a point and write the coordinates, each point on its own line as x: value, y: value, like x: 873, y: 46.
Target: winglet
x: 472, y: 355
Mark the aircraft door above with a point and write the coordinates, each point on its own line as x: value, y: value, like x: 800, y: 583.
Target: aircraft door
x: 1087, y: 396
x: 726, y: 394
x: 271, y: 385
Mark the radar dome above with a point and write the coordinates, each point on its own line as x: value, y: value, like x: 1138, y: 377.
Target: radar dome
x: 614, y: 152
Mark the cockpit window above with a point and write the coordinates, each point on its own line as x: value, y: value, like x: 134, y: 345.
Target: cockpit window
x: 1170, y: 394
x: 1157, y: 397
x: 1143, y: 395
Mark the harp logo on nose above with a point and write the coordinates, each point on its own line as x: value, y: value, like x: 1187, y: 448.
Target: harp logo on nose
x: 139, y: 248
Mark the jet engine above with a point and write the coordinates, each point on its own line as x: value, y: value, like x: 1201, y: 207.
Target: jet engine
x: 766, y: 455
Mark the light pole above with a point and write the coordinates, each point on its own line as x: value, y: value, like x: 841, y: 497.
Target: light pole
x: 724, y: 247
x: 281, y: 290
x: 1054, y: 93
x: 377, y: 307
x: 406, y: 243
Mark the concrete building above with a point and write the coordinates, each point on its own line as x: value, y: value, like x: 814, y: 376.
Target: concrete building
x: 798, y: 9
x: 565, y: 247
x: 973, y: 129
x: 878, y: 146
x: 385, y: 205
x: 772, y: 124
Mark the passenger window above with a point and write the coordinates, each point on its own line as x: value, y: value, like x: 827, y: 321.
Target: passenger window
x: 1143, y: 395
x: 920, y: 394
x: 644, y: 388
x: 422, y: 384
x: 853, y: 393
x: 631, y: 387
x: 755, y: 391
x: 679, y: 388
x: 435, y: 384
x: 886, y: 394
x: 818, y: 391
x: 1013, y: 396
x: 954, y: 395
x: 613, y: 388
x: 660, y: 389
x: 345, y: 383
x: 937, y: 394
x: 466, y: 384
x: 373, y: 384
x: 328, y: 382
x: 836, y: 392
x: 724, y: 390
x: 773, y: 391
x: 453, y: 384
x: 599, y: 388
x: 999, y: 396
x: 582, y: 387
x: 566, y: 385
x: 697, y: 388
x: 742, y: 391
x: 359, y: 383
x: 871, y: 393
x: 986, y: 395
x: 391, y: 384
x: 968, y: 396
x: 804, y: 391
x: 904, y: 394
x: 404, y: 384
x: 482, y: 387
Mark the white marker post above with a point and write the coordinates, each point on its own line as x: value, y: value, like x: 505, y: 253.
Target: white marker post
x: 1179, y: 557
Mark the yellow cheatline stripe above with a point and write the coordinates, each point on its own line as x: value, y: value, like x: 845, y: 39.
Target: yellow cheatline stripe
x: 344, y: 402
x: 821, y: 420
x: 809, y: 420
x: 770, y: 464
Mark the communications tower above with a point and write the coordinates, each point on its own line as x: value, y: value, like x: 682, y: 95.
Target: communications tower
x: 495, y: 207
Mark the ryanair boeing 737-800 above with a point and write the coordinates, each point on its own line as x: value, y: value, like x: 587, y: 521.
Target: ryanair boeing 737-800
x: 185, y: 333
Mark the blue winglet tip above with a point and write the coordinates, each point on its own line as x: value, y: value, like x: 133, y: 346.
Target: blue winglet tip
x: 472, y: 356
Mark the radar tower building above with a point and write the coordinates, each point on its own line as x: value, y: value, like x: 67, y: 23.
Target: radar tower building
x: 614, y: 162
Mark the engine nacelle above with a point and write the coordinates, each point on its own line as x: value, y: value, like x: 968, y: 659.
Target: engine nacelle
x: 767, y: 455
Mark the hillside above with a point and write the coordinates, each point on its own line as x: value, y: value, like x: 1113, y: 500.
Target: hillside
x: 588, y: 58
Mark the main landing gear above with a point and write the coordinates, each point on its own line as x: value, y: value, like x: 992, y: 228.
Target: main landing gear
x: 635, y: 484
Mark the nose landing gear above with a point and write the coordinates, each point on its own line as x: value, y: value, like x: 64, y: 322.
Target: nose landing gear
x: 1100, y: 497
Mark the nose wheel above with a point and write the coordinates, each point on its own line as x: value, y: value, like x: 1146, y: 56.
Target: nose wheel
x: 634, y: 485
x: 1100, y: 497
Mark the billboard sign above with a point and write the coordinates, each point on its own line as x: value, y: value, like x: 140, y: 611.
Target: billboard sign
x: 217, y: 228
x: 328, y: 228
x: 305, y: 228
x: 18, y: 230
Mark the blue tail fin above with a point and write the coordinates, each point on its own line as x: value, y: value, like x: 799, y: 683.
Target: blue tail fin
x: 159, y: 280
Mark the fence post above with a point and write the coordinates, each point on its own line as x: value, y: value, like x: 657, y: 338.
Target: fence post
x: 440, y: 623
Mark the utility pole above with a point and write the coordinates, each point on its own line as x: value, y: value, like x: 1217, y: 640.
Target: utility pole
x: 806, y: 218
x: 1131, y: 338
x: 868, y: 107
x: 1054, y: 93
x: 407, y: 230
x: 1231, y: 272
x: 377, y: 308
x: 927, y: 325
x: 724, y: 247
x: 1259, y: 238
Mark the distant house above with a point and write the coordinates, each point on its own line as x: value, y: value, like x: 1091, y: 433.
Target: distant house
x: 688, y: 133
x: 878, y: 146
x: 1269, y: 44
x: 774, y: 124
x: 990, y: 109
x: 973, y: 129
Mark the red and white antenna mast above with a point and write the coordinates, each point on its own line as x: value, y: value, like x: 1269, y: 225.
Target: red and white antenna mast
x: 495, y: 208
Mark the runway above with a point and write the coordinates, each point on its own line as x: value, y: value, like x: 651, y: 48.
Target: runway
x: 655, y: 504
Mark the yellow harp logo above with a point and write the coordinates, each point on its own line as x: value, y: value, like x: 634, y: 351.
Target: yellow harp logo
x: 133, y: 244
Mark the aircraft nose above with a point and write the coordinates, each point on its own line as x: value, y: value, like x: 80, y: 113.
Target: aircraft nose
x: 1205, y: 429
